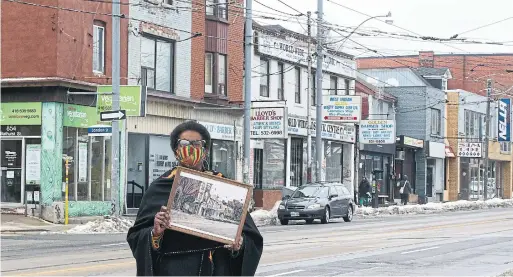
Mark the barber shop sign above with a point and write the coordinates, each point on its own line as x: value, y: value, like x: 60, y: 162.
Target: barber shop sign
x: 504, y: 120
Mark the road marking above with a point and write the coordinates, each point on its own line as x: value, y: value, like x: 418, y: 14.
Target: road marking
x: 84, y: 268
x: 114, y: 244
x: 420, y: 250
x: 286, y: 273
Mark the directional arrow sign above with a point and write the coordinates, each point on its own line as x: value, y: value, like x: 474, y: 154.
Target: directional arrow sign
x: 113, y: 115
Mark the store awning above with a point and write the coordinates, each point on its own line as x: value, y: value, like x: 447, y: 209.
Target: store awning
x: 448, y: 152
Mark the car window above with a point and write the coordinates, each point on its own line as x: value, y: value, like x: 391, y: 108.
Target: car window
x: 310, y: 192
x: 324, y: 193
x: 345, y: 191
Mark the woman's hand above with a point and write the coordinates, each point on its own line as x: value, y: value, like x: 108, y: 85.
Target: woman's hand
x: 161, y: 222
x: 235, y: 247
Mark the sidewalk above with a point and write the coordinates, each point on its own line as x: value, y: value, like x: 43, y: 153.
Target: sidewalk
x: 15, y: 223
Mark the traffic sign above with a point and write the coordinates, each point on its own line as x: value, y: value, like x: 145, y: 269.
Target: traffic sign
x: 113, y: 115
x: 99, y: 131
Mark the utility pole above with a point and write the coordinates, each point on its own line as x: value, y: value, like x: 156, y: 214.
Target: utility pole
x: 487, y: 136
x: 309, y: 105
x: 116, y: 50
x: 248, y: 43
x: 318, y: 118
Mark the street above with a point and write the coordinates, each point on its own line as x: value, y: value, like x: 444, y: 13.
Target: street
x: 471, y: 243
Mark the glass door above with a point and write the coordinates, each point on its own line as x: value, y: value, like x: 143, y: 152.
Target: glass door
x: 12, y: 155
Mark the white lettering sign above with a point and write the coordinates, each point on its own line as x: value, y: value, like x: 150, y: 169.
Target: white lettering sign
x: 222, y: 131
x: 345, y: 132
x: 268, y: 123
x: 377, y: 131
x: 342, y: 108
x: 469, y: 149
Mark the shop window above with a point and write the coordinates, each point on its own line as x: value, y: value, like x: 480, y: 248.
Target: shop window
x: 296, y: 162
x: 297, y: 91
x: 11, y: 164
x: 223, y: 157
x: 305, y: 160
x: 98, y: 48
x: 157, y: 64
x: 333, y: 156
x: 88, y: 165
x: 274, y: 163
x: 258, y: 160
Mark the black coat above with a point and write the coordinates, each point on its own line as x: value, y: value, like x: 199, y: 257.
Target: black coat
x: 364, y: 188
x: 181, y: 254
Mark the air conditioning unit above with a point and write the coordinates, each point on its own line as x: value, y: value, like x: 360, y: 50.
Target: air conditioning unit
x: 399, y: 155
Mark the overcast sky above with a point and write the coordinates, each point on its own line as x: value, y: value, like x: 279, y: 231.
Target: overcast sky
x: 434, y: 18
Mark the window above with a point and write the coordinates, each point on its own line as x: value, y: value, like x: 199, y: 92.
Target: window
x: 157, y: 60
x: 333, y: 153
x: 333, y: 85
x: 209, y: 68
x: 217, y: 8
x: 444, y: 84
x: 436, y: 125
x: 223, y: 157
x: 221, y: 74
x: 505, y: 147
x: 98, y: 49
x: 298, y: 85
x: 314, y: 89
x: 473, y: 124
x: 348, y: 86
x: 264, y: 78
x: 281, y: 82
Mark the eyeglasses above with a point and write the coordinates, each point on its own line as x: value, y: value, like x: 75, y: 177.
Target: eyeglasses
x: 195, y: 143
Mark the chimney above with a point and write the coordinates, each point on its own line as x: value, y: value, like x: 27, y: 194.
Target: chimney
x: 426, y: 59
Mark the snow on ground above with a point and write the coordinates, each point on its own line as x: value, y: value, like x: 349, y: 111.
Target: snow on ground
x: 263, y: 217
x: 105, y: 225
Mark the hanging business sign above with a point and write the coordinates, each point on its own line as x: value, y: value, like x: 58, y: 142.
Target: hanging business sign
x: 344, y: 132
x: 377, y: 132
x: 342, y: 108
x: 80, y: 116
x: 268, y: 123
x: 504, y: 120
x: 292, y: 50
x: 470, y: 149
x: 132, y: 99
x: 222, y: 131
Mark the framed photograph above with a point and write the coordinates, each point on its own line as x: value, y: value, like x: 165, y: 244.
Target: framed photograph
x: 208, y: 206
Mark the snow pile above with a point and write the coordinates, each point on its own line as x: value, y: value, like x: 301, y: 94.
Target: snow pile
x: 263, y: 217
x: 432, y: 208
x: 105, y: 225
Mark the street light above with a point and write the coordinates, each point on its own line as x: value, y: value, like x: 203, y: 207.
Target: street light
x: 389, y: 21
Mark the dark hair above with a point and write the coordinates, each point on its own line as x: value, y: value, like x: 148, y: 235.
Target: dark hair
x: 189, y: 126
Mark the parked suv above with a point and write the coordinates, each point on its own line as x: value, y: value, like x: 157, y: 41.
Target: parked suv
x: 317, y: 201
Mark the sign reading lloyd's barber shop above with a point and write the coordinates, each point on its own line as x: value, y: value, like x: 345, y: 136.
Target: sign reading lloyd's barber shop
x: 504, y: 120
x: 268, y: 123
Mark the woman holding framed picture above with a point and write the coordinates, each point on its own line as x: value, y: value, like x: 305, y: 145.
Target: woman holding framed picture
x: 160, y: 251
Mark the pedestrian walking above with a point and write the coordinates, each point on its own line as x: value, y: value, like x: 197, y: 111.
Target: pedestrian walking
x: 405, y: 190
x: 364, y: 191
x: 159, y: 251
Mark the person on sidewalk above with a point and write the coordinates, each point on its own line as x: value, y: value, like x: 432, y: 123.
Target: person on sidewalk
x: 364, y: 190
x: 405, y: 190
x: 159, y: 251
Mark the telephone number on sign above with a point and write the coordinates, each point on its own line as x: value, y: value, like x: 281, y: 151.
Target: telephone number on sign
x: 23, y: 110
x: 268, y: 133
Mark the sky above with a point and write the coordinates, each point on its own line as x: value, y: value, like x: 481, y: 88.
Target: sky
x: 433, y: 18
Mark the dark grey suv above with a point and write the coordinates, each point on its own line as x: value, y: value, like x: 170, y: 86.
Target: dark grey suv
x: 317, y: 201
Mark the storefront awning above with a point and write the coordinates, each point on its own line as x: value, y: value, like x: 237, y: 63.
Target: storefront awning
x: 448, y: 152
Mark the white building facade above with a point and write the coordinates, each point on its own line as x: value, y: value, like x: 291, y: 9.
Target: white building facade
x: 280, y: 79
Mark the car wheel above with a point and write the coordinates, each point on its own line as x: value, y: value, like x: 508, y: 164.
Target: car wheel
x: 309, y: 221
x: 349, y: 216
x: 327, y: 215
x: 284, y: 222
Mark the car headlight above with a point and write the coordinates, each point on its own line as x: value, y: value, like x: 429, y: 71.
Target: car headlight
x: 314, y: 206
x: 281, y: 207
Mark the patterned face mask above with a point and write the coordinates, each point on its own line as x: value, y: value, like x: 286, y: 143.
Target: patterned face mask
x: 190, y: 155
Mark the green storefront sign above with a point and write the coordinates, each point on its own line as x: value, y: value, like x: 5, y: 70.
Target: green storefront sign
x: 80, y: 116
x: 132, y: 100
x: 28, y: 113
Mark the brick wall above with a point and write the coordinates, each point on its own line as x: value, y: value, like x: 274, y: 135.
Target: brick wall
x: 162, y: 17
x: 266, y: 199
x: 468, y: 71
x: 45, y: 42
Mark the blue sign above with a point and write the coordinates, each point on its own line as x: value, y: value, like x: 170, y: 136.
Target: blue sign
x: 504, y: 120
x: 99, y: 131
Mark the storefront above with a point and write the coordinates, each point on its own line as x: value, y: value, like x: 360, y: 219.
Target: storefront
x: 406, y: 162
x: 378, y: 157
x: 435, y: 171
x: 21, y: 150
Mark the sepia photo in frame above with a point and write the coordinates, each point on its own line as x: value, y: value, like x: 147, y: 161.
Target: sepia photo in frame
x: 208, y: 206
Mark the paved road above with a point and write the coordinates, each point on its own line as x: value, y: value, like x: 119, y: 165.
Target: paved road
x: 476, y: 243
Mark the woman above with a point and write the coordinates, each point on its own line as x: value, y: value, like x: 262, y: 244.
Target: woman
x: 160, y: 251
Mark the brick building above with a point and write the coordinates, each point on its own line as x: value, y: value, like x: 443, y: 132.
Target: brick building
x: 469, y: 71
x: 48, y: 51
x: 199, y: 78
